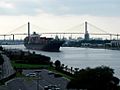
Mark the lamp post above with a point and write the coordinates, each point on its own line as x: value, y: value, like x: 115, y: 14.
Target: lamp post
x: 38, y: 77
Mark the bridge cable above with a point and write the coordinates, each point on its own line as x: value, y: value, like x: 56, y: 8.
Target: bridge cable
x: 99, y: 29
x: 16, y: 29
x: 72, y: 28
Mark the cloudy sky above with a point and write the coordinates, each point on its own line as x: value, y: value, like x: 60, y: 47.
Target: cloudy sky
x: 60, y: 15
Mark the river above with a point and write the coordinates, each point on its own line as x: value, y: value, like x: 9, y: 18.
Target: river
x: 82, y: 57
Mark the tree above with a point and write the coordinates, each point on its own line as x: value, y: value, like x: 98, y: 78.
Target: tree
x: 1, y: 48
x: 99, y: 78
x: 1, y: 63
x: 62, y: 66
x: 1, y: 59
x: 22, y: 55
x: 57, y: 64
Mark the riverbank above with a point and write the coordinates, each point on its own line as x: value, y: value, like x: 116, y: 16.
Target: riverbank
x: 108, y: 48
x: 79, y: 54
x: 81, y: 57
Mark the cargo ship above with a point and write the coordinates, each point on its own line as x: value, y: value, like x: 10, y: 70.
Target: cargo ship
x: 36, y: 42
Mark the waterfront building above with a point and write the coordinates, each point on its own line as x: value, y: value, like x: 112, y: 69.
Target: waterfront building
x: 115, y: 43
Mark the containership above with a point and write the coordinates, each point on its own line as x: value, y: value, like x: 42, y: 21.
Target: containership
x: 36, y: 42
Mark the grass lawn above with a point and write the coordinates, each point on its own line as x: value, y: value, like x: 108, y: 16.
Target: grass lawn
x: 28, y: 66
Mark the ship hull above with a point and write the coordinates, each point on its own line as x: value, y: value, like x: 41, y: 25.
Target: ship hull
x: 53, y: 46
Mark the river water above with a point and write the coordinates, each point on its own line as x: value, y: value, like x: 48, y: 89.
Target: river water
x: 82, y: 57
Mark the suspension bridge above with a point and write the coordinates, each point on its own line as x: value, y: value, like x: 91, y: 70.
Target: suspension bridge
x: 84, y: 30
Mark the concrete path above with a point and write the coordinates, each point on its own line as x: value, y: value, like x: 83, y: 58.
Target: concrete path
x: 7, y: 68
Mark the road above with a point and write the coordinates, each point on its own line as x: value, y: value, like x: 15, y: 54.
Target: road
x: 17, y: 84
x: 49, y: 79
x: 30, y: 83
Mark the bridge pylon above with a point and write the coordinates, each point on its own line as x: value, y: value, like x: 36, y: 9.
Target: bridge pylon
x: 28, y: 31
x: 86, y: 35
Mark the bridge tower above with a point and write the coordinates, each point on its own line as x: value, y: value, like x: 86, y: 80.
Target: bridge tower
x: 86, y: 35
x: 28, y: 32
x: 13, y: 37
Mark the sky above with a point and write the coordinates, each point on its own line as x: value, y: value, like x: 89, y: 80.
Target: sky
x: 59, y: 15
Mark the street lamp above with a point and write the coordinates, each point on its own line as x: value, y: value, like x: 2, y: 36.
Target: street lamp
x: 38, y: 77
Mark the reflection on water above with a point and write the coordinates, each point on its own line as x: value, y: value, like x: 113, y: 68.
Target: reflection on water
x: 82, y: 57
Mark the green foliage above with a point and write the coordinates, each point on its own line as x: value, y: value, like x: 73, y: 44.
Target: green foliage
x: 57, y: 64
x: 28, y: 58
x: 1, y: 48
x: 1, y: 60
x: 99, y: 78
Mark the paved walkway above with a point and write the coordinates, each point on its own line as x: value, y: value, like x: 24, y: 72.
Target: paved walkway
x: 7, y: 70
x: 7, y: 67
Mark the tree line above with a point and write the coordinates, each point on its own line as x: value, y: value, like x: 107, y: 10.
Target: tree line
x: 98, y: 78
